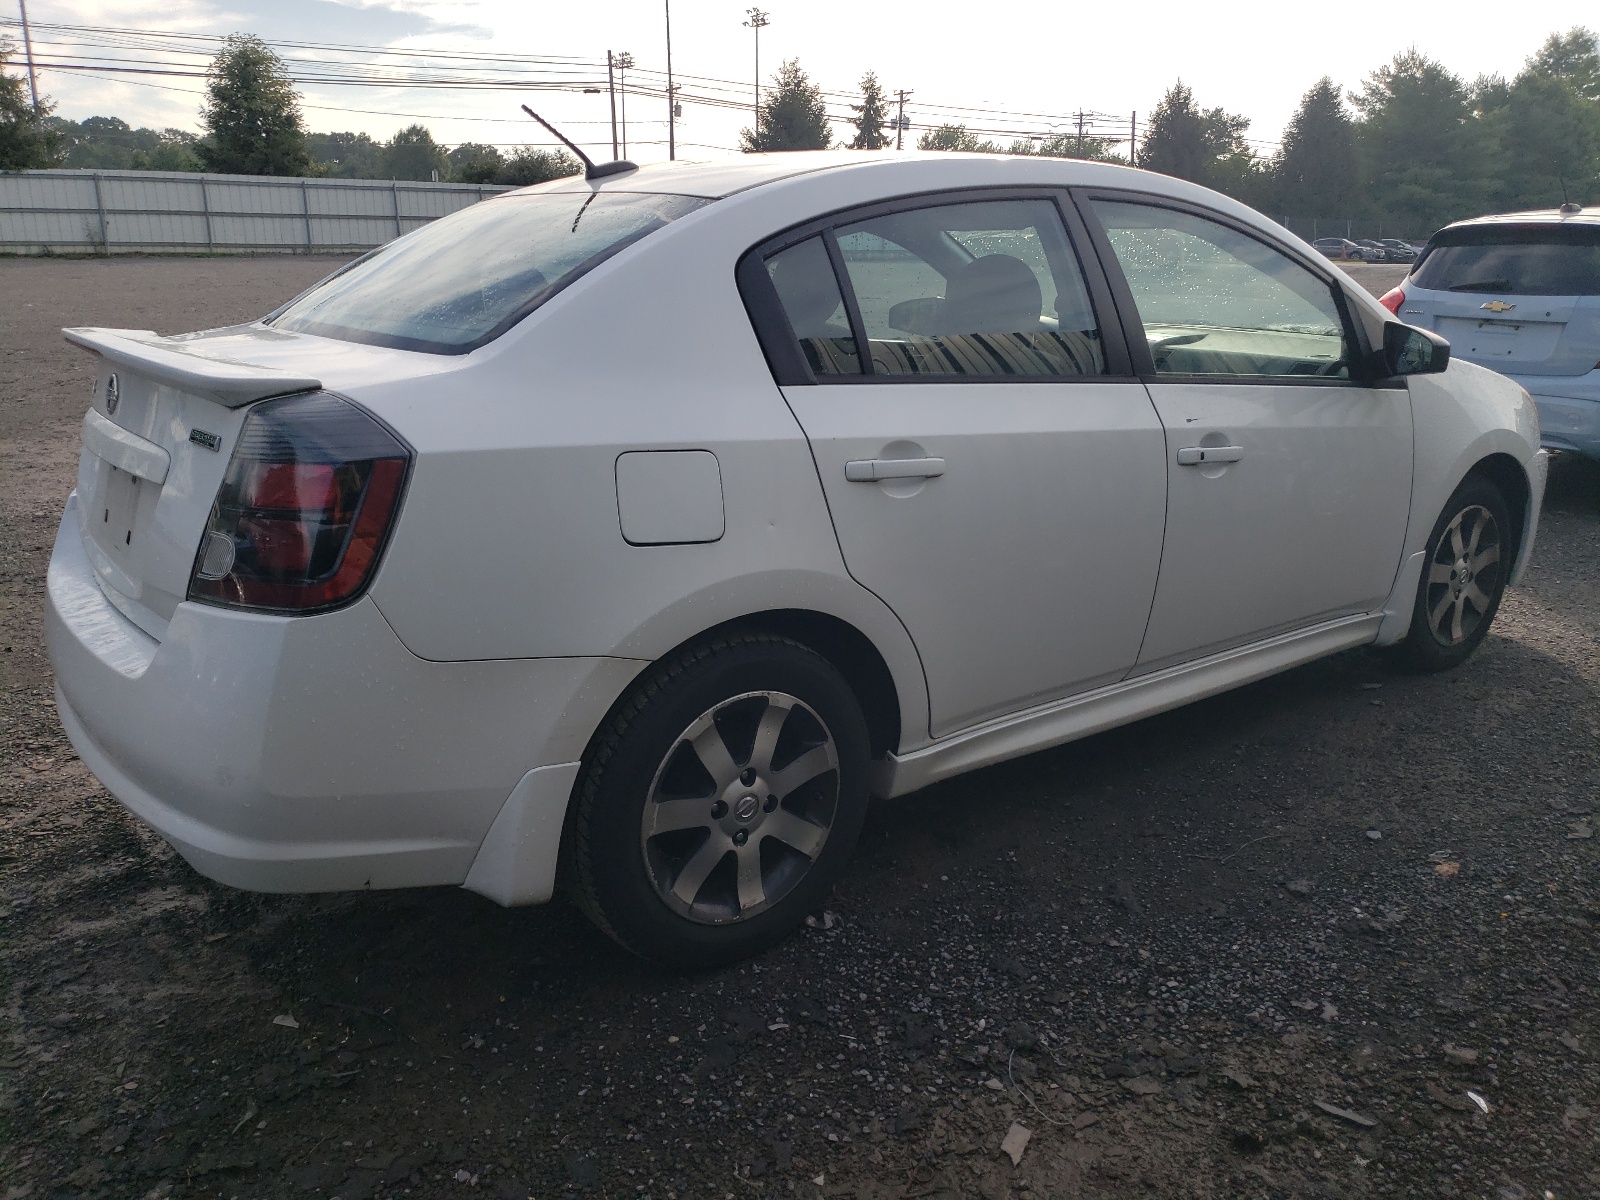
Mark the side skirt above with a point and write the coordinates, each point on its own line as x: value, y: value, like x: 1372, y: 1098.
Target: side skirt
x: 1117, y: 704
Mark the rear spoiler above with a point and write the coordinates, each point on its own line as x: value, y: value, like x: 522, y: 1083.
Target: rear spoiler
x: 230, y: 384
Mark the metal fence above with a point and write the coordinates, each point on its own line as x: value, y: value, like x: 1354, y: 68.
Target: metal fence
x: 1312, y: 228
x: 165, y: 212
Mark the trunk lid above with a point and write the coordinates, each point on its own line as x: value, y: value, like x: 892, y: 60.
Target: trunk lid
x: 152, y: 462
x: 1519, y: 335
x: 156, y: 441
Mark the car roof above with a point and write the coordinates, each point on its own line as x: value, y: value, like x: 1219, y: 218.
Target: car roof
x: 719, y: 177
x: 1537, y: 216
x: 951, y: 169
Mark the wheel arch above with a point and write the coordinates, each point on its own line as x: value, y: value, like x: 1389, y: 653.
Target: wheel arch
x: 1507, y: 474
x: 850, y: 651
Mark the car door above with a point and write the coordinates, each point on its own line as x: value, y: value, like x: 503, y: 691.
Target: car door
x: 994, y: 473
x: 1289, y: 478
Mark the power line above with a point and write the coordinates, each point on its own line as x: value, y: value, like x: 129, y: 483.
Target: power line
x: 83, y: 50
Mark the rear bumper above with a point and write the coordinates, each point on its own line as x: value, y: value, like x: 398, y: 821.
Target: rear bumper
x: 1569, y: 411
x: 299, y: 754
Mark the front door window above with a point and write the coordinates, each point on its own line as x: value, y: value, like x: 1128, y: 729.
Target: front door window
x: 1214, y: 301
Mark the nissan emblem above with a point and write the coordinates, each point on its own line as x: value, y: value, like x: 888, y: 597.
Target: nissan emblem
x: 113, y: 393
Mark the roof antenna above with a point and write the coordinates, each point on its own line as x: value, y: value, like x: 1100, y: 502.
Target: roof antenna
x: 590, y: 170
x: 1567, y: 206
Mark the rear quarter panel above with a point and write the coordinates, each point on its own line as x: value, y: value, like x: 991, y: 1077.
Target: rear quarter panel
x: 510, y: 543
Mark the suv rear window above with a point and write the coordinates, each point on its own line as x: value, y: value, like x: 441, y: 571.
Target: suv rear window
x: 1528, y: 260
x: 461, y: 281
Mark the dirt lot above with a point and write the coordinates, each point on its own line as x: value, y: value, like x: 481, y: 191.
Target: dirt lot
x: 1333, y: 935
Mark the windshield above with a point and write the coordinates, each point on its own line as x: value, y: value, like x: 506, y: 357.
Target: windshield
x: 463, y: 280
x: 1531, y: 261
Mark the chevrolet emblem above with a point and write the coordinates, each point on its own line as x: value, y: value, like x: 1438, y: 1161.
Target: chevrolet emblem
x: 1498, y: 306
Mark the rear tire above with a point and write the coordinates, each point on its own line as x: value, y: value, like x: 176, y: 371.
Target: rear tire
x: 720, y: 802
x: 1463, y: 578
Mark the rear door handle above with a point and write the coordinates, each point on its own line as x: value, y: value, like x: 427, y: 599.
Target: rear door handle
x: 1194, y: 456
x: 870, y: 470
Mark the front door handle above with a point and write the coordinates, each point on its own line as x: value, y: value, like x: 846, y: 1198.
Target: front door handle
x: 870, y: 470
x: 1195, y: 456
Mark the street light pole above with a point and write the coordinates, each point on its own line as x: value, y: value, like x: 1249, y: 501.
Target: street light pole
x: 672, y: 95
x: 758, y: 21
x: 27, y: 50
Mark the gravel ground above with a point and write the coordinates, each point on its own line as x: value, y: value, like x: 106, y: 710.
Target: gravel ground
x: 1331, y: 935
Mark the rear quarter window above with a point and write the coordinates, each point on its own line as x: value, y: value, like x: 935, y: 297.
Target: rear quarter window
x: 460, y: 282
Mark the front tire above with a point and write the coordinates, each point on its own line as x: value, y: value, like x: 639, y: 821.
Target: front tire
x: 720, y: 802
x: 1463, y: 578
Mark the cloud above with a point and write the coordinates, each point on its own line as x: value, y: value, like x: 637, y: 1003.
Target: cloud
x: 320, y: 21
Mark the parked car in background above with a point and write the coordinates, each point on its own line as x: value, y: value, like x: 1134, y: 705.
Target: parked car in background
x: 1401, y: 251
x: 1520, y: 292
x: 631, y: 530
x: 1344, y: 248
x: 1383, y: 252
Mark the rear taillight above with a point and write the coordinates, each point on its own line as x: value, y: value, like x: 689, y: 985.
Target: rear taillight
x: 304, y: 509
x: 1393, y: 299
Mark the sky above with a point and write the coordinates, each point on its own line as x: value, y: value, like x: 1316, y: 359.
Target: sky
x: 1047, y: 61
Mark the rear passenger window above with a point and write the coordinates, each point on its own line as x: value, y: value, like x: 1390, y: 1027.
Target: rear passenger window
x: 809, y: 292
x: 987, y: 289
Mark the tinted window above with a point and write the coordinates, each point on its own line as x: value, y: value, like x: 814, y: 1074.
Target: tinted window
x: 1549, y: 261
x: 809, y: 291
x: 1216, y: 302
x: 458, y: 282
x: 983, y: 289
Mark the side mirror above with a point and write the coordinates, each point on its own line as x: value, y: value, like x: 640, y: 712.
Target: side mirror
x: 1408, y: 350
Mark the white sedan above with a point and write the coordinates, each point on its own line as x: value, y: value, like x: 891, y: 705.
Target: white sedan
x: 627, y: 533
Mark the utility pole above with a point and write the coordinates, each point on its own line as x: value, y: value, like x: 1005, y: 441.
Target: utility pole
x: 672, y: 92
x: 1080, y: 133
x: 758, y: 21
x: 611, y: 86
x: 1133, y: 140
x: 624, y: 65
x: 900, y: 121
x: 27, y: 49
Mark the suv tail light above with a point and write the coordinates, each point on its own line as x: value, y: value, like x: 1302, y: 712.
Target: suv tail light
x: 1393, y: 299
x: 303, y: 512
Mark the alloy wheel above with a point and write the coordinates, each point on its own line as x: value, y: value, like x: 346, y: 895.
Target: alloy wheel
x: 1464, y: 575
x: 740, y: 807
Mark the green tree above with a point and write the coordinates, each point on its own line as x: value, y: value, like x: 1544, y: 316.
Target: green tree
x: 413, y: 154
x: 175, y: 150
x: 1175, y: 137
x: 956, y: 137
x: 1066, y: 145
x: 533, y: 165
x: 472, y: 162
x: 1314, y: 173
x: 1204, y: 146
x: 27, y: 138
x: 346, y: 155
x: 252, y: 113
x: 1574, y: 58
x: 794, y: 116
x: 870, y: 116
x: 1551, y: 139
x: 1428, y: 156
